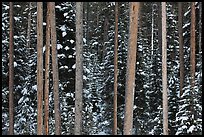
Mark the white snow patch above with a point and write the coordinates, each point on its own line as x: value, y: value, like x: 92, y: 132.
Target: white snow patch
x: 95, y: 43
x: 63, y: 28
x: 43, y: 49
x: 84, y: 40
x: 34, y: 87
x: 64, y: 34
x: 63, y: 67
x: 190, y: 130
x: 100, y: 133
x: 59, y: 46
x: 72, y: 41
x: 16, y: 18
x: 65, y: 14
x: 74, y: 66
x: 15, y: 64
x: 66, y: 48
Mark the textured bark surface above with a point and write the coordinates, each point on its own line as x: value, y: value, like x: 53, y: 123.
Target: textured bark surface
x: 115, y: 71
x: 29, y: 25
x: 164, y: 71
x: 47, y: 67
x: 55, y: 69
x: 181, y: 55
x: 79, y: 69
x: 192, y: 56
x: 131, y: 64
x: 11, y: 70
x: 39, y: 68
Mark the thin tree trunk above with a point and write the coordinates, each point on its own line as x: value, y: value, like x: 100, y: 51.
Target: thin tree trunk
x: 159, y: 28
x: 79, y: 69
x: 192, y: 55
x: 39, y: 67
x: 181, y: 56
x: 131, y: 63
x: 115, y: 71
x: 164, y: 71
x: 55, y: 69
x: 11, y: 71
x: 29, y: 26
x: 47, y: 67
x: 200, y: 28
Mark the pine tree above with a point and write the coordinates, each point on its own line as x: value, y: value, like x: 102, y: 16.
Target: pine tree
x: 180, y: 26
x: 79, y: 68
x: 115, y: 69
x: 40, y: 67
x: 131, y: 63
x: 55, y: 69
x: 164, y: 71
x: 47, y: 66
x: 11, y: 71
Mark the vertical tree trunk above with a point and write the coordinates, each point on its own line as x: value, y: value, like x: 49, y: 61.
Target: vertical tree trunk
x: 181, y: 57
x: 79, y: 69
x: 47, y: 67
x: 11, y: 71
x: 39, y: 67
x: 192, y: 55
x: 159, y: 28
x: 29, y: 25
x: 164, y: 71
x: 55, y: 69
x: 115, y: 71
x: 131, y: 63
x: 200, y: 29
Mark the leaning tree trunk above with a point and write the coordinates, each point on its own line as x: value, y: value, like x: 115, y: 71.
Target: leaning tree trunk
x: 181, y: 57
x: 131, y: 63
x: 11, y: 71
x: 55, y: 69
x: 79, y: 69
x: 164, y: 71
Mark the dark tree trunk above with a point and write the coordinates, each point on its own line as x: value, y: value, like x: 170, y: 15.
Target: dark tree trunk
x: 11, y: 70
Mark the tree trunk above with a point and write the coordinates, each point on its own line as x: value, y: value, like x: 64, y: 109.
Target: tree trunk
x: 55, y: 69
x: 164, y: 71
x: 39, y: 67
x: 131, y: 63
x: 115, y: 71
x: 159, y: 28
x: 79, y: 69
x: 29, y: 26
x: 181, y: 56
x: 11, y: 70
x: 192, y: 55
x: 47, y: 67
x: 200, y: 29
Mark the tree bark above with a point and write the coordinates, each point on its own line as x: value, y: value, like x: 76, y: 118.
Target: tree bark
x: 11, y: 70
x: 39, y: 67
x: 79, y: 69
x: 47, y: 68
x: 181, y: 56
x: 159, y: 28
x: 131, y: 63
x: 192, y: 55
x: 29, y: 25
x: 55, y: 69
x: 115, y: 71
x: 164, y: 71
